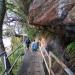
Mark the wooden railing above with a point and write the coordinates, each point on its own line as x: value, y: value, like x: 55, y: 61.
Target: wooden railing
x: 48, y: 60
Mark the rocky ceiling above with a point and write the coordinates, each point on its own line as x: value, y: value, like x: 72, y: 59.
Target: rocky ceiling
x: 46, y: 12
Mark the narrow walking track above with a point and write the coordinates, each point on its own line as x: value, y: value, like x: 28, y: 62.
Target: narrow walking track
x: 32, y: 64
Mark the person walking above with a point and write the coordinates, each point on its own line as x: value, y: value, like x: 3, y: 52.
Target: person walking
x: 34, y: 46
x: 28, y: 43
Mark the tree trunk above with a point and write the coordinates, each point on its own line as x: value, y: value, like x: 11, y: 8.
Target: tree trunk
x: 2, y: 14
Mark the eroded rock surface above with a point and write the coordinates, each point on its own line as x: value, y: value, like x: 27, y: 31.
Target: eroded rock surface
x: 43, y: 12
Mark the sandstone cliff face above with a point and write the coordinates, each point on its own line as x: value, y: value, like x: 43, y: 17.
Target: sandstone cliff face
x: 70, y: 19
x: 43, y: 12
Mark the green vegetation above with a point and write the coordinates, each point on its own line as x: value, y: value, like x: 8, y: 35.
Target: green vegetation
x: 70, y: 50
x: 70, y: 55
x: 18, y: 49
x: 12, y: 58
x: 32, y: 32
x: 16, y: 41
x: 20, y: 8
x: 1, y: 67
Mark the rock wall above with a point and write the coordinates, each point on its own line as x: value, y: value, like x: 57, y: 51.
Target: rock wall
x: 43, y: 12
x: 51, y: 42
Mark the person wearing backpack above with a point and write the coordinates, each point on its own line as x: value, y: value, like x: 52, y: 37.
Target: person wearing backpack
x: 34, y: 45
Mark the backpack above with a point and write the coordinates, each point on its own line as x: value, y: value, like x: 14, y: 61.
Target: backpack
x: 35, y: 46
x: 27, y: 41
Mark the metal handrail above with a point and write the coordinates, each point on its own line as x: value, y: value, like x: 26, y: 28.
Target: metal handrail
x: 68, y: 71
x: 15, y: 61
x: 13, y: 65
x: 45, y: 62
x: 2, y: 53
x: 51, y: 55
x: 13, y: 51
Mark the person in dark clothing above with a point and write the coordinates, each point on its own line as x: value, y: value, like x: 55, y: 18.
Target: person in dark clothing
x: 28, y: 43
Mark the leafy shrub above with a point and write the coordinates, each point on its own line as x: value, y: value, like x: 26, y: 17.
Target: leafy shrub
x: 70, y: 50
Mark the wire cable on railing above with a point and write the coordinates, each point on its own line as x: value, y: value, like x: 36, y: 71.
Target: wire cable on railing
x: 14, y: 51
x: 2, y: 53
x: 20, y: 47
x: 13, y: 65
x: 51, y: 55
